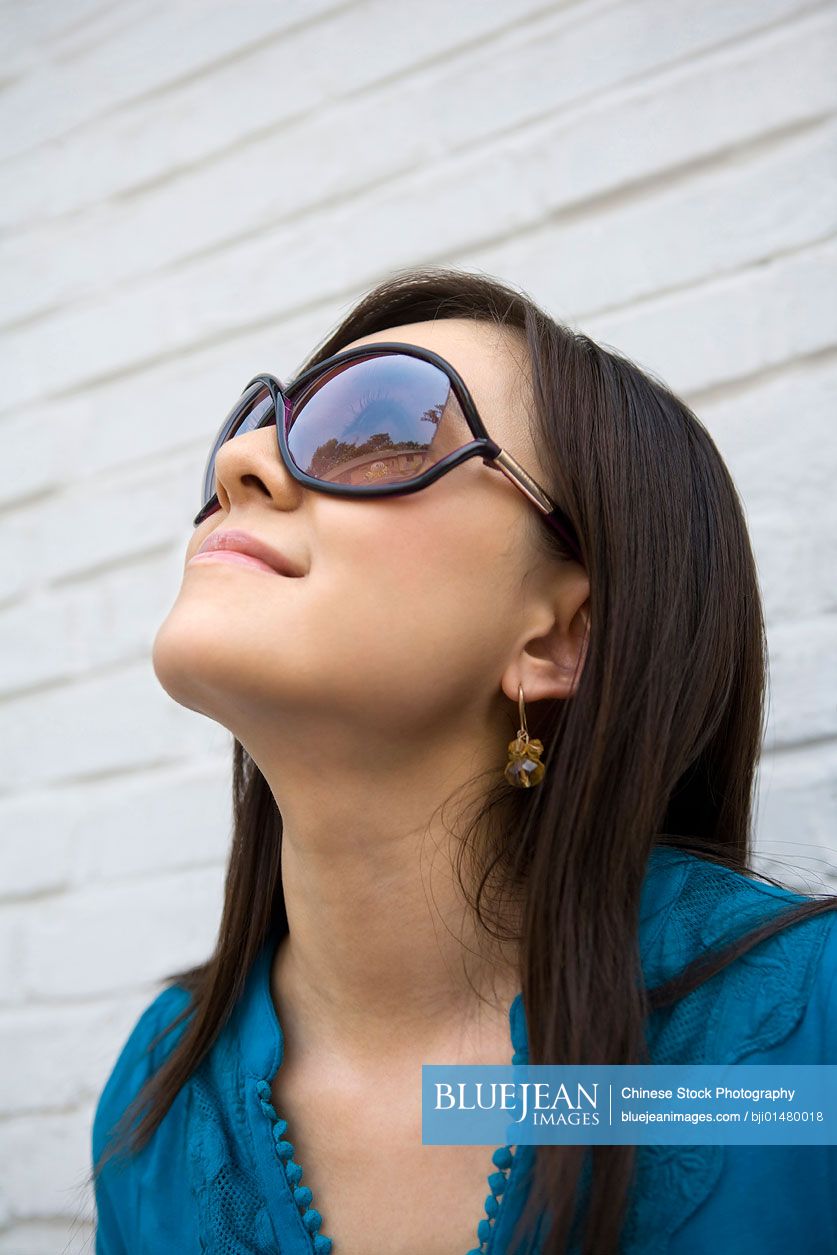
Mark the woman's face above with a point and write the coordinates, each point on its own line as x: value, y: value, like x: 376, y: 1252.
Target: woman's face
x: 410, y: 608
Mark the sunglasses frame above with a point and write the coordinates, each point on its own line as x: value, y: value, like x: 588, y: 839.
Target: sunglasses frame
x: 495, y: 457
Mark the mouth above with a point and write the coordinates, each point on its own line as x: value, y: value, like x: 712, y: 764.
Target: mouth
x: 242, y: 549
x: 234, y: 558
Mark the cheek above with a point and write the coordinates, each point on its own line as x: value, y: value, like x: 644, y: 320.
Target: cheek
x: 414, y: 597
x: 453, y: 552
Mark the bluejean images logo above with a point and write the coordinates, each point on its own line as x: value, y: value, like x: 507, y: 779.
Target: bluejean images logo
x: 611, y: 1104
x: 537, y: 1101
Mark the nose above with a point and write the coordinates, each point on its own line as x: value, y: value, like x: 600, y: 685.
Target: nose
x: 252, y: 462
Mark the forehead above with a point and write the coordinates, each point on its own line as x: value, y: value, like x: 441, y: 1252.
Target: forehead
x: 492, y: 361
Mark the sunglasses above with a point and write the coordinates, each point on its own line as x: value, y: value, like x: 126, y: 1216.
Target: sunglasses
x: 375, y: 421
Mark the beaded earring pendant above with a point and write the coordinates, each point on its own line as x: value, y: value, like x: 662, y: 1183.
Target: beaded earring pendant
x: 524, y: 767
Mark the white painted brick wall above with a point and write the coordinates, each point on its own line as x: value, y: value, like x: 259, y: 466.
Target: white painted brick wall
x: 195, y: 189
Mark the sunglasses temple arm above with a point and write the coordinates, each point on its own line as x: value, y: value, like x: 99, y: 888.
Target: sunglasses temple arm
x: 565, y: 533
x: 553, y: 516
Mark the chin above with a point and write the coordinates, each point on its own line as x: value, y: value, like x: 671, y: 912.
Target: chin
x: 176, y: 656
x: 201, y: 667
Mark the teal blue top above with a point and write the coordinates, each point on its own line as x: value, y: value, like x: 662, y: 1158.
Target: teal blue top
x: 219, y: 1175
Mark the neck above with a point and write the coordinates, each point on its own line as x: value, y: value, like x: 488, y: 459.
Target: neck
x: 384, y: 956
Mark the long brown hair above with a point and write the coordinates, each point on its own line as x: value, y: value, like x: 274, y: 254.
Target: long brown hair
x: 659, y: 744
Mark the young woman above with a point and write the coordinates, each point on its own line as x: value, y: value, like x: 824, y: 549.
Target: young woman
x: 481, y: 613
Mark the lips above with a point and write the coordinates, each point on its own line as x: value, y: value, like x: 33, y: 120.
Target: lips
x: 234, y: 541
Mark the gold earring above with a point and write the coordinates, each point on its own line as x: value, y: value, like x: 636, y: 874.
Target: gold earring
x: 524, y: 767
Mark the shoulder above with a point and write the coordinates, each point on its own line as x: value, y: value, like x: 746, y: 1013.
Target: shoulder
x: 760, y: 997
x: 115, y: 1186
x: 821, y: 1012
x: 139, y: 1057
x: 717, y: 904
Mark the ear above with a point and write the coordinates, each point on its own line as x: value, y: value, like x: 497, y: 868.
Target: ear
x: 548, y: 663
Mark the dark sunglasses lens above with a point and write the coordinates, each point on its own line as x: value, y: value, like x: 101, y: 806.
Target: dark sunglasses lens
x: 253, y: 409
x: 376, y: 420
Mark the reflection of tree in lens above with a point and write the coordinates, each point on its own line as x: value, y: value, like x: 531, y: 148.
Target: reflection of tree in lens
x: 336, y: 453
x: 351, y: 460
